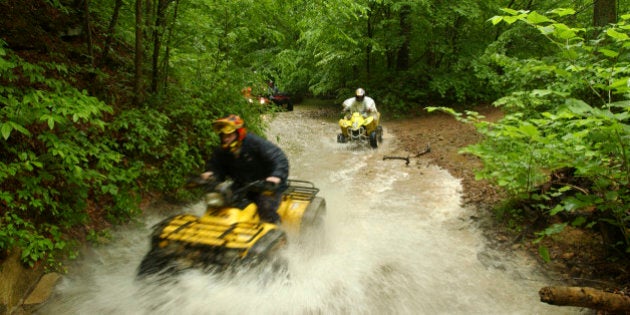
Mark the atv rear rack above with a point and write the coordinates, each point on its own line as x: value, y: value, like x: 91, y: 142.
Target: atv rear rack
x: 301, y: 190
x: 190, y: 229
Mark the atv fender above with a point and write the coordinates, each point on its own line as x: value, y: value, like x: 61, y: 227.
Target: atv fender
x: 269, y: 243
x: 314, y: 214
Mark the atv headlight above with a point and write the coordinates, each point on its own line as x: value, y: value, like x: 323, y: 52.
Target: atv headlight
x: 214, y: 199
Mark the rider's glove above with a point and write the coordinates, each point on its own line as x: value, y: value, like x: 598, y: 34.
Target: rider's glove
x: 197, y: 181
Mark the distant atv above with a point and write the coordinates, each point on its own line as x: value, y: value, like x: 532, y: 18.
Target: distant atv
x: 230, y: 232
x: 283, y: 100
x: 358, y: 128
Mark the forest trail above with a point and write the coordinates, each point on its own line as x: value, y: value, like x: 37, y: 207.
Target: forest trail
x: 397, y: 241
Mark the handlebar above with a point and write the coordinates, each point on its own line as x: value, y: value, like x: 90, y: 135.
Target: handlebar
x: 197, y: 181
x: 257, y: 185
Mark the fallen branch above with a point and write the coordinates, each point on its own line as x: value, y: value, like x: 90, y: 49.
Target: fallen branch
x: 406, y: 159
x: 585, y: 297
x: 426, y: 150
x: 397, y: 158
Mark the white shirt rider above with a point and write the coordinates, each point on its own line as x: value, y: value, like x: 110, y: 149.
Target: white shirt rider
x: 360, y: 103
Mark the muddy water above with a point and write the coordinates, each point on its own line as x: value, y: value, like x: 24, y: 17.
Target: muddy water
x: 396, y: 241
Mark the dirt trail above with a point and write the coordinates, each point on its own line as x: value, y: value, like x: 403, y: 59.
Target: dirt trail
x: 578, y: 256
x: 446, y: 137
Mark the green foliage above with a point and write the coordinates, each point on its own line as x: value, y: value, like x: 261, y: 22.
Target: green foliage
x: 570, y: 114
x: 17, y: 232
x: 344, y: 44
x: 56, y: 157
x: 99, y: 237
x: 544, y: 253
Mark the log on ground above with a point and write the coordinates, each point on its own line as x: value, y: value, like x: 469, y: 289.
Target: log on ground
x: 585, y: 297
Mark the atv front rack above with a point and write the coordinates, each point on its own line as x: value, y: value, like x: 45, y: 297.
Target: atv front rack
x: 192, y: 230
x: 200, y: 240
x: 301, y: 190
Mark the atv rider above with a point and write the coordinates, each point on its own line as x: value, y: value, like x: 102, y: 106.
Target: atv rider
x: 272, y: 89
x: 246, y: 157
x: 362, y: 104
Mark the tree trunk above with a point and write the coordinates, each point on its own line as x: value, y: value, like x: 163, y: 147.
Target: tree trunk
x: 160, y: 25
x: 88, y: 30
x: 138, y: 60
x: 111, y: 29
x: 585, y: 297
x: 402, y: 63
x: 168, y: 45
x: 370, y: 35
x: 148, y: 17
x: 604, y: 12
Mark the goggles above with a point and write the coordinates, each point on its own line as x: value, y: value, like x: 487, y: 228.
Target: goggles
x: 223, y: 128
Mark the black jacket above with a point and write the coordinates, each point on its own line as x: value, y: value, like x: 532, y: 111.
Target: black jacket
x: 258, y: 159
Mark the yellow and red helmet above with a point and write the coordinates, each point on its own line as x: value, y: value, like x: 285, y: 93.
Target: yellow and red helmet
x: 230, y: 124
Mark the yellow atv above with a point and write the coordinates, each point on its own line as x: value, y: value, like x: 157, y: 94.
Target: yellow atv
x: 230, y: 231
x: 358, y: 128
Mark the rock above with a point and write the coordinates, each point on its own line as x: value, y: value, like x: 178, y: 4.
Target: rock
x: 16, y: 281
x: 43, y: 289
x: 501, y: 238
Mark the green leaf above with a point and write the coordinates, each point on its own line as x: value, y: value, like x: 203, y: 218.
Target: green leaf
x: 9, y: 126
x: 496, y: 20
x: 541, y: 93
x: 572, y: 203
x: 553, y: 229
x: 621, y: 82
x: 543, y: 251
x: 564, y: 32
x: 511, y: 11
x: 616, y: 35
x: 608, y: 52
x: 579, y: 221
x: 530, y: 130
x: 546, y: 30
x: 6, y: 130
x: 557, y: 209
x: 510, y: 19
x: 537, y: 18
x: 621, y: 104
x: 562, y: 11
x: 612, y: 195
x: 110, y: 189
x: 578, y: 107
